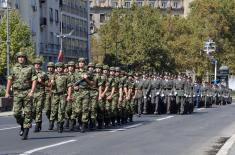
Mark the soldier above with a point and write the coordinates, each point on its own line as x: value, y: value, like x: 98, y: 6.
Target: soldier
x: 146, y: 91
x: 197, y: 94
x: 50, y: 75
x: 156, y: 88
x: 123, y: 98
x: 190, y: 95
x: 168, y: 86
x: 206, y: 94
x: 180, y: 92
x: 138, y: 96
x: 71, y: 80
x: 82, y: 94
x: 23, y: 79
x: 39, y: 95
x: 93, y: 96
x: 130, y: 107
x: 59, y: 89
x: 66, y: 68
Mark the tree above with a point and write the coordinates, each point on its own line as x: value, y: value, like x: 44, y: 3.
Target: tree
x: 20, y: 39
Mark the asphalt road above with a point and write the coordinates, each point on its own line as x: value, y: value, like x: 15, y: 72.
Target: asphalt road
x: 196, y: 134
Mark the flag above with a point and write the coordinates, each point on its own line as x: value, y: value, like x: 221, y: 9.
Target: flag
x: 60, y: 56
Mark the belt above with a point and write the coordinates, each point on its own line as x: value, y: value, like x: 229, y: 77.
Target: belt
x: 22, y: 89
x: 60, y: 93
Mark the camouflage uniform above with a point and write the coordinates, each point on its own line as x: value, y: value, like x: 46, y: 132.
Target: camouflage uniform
x: 146, y: 90
x: 138, y: 95
x: 47, y: 105
x: 58, y: 105
x: 39, y: 97
x: 130, y: 107
x: 180, y: 91
x: 22, y: 76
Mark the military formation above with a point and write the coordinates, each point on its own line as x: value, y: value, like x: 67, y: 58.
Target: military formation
x: 79, y: 97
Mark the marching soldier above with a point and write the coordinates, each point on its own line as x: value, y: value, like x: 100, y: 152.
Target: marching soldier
x: 23, y: 79
x: 146, y: 90
x: 50, y: 75
x: 59, y: 89
x: 180, y: 92
x: 138, y: 97
x: 39, y: 95
x: 168, y: 86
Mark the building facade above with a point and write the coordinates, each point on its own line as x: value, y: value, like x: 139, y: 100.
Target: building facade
x: 44, y: 19
x: 100, y: 8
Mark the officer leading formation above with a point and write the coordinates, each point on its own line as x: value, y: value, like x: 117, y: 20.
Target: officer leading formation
x: 79, y: 97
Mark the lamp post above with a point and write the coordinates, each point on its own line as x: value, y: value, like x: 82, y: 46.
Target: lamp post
x: 5, y: 5
x: 210, y: 48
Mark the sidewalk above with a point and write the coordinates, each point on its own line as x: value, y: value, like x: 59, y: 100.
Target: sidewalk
x: 8, y: 113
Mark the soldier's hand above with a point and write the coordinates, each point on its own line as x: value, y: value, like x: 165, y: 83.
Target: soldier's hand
x: 39, y: 80
x: 69, y: 98
x: 99, y: 98
x: 76, y: 88
x: 109, y: 98
x: 85, y: 76
x: 52, y: 81
x: 30, y: 94
x: 7, y: 95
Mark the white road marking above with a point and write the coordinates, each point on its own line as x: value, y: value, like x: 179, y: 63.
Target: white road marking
x: 46, y: 147
x: 164, y: 118
x: 200, y: 109
x: 14, y: 127
x: 127, y: 127
x: 9, y: 128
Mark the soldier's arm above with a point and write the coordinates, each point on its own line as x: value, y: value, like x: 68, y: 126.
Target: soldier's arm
x: 34, y: 83
x: 8, y: 87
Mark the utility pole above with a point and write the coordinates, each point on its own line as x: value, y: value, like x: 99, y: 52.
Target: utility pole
x: 8, y: 41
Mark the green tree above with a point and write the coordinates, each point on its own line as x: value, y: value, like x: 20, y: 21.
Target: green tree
x: 20, y: 39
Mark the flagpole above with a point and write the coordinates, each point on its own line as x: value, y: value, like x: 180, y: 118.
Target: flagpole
x: 61, y: 31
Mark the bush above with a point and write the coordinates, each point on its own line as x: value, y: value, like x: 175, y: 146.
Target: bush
x: 2, y: 91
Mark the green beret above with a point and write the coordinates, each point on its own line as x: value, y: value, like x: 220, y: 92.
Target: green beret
x: 112, y: 69
x: 37, y: 61
x: 21, y: 54
x: 117, y: 69
x: 98, y: 66
x: 91, y: 65
x: 81, y: 59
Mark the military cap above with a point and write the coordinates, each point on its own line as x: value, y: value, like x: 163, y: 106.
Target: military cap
x: 91, y: 64
x: 130, y: 74
x: 50, y: 64
x: 81, y: 59
x: 105, y: 67
x: 59, y: 64
x: 112, y: 69
x: 65, y: 65
x: 21, y: 54
x: 117, y: 69
x: 98, y: 66
x: 71, y: 63
x: 37, y: 61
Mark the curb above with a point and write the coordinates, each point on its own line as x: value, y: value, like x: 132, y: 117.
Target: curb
x: 227, y: 146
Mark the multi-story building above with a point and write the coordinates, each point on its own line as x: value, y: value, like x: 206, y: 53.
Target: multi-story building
x: 44, y: 19
x: 100, y: 8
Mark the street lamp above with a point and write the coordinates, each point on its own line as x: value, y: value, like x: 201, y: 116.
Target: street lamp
x: 210, y: 48
x: 5, y: 5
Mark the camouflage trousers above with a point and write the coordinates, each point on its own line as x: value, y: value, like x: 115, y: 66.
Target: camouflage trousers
x: 93, y: 105
x: 47, y: 105
x: 180, y: 101
x: 122, y: 109
x: 80, y: 108
x: 114, y: 107
x: 58, y: 106
x: 68, y: 110
x: 107, y: 110
x: 22, y: 107
x: 38, y: 102
x: 100, y: 110
x: 130, y: 107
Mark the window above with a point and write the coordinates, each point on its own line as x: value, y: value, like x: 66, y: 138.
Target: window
x: 102, y: 18
x: 91, y: 17
x: 51, y: 14
x: 175, y: 4
x: 51, y: 37
x: 127, y: 4
x: 164, y: 4
x: 56, y: 16
x: 139, y: 3
x: 115, y: 4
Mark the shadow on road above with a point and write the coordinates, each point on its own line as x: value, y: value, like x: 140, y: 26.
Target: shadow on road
x: 49, y: 137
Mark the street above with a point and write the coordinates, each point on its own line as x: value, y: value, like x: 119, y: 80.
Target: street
x: 196, y: 134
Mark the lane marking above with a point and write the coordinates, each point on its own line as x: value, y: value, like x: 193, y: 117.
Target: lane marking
x: 9, y: 128
x: 48, y: 146
x: 164, y: 118
x: 14, y: 127
x: 200, y: 109
x: 126, y: 128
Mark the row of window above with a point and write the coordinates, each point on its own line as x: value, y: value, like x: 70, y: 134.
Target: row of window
x: 51, y: 16
x: 163, y: 4
x: 77, y: 7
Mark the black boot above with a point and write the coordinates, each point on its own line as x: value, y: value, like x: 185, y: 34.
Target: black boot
x: 131, y: 118
x: 61, y: 127
x: 36, y: 129
x: 21, y: 130
x: 113, y: 122
x: 72, y: 124
x: 25, y: 134
x: 100, y: 124
x: 51, y: 125
x: 40, y: 126
x: 67, y: 123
